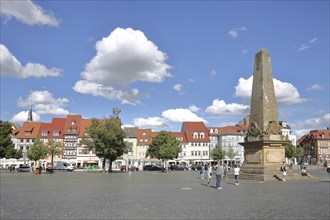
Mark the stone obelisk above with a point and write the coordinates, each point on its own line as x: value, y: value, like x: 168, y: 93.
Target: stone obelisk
x: 264, y: 145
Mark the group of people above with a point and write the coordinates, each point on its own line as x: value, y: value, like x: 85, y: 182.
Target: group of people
x: 304, y: 172
x: 221, y: 172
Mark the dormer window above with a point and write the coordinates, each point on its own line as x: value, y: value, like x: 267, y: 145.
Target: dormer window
x: 73, y: 122
x: 27, y: 133
x: 195, y: 135
x: 211, y: 131
x: 216, y: 131
x: 44, y: 133
x: 202, y: 135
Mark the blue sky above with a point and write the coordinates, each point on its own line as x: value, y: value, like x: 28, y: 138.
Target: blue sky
x: 163, y: 63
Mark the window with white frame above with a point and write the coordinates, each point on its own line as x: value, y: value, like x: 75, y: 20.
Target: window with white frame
x: 202, y: 135
x: 195, y: 135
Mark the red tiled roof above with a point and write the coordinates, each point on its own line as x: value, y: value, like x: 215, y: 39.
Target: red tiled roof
x: 194, y: 126
x: 72, y: 122
x: 84, y: 123
x: 32, y: 127
x: 144, y: 137
x: 316, y: 134
x: 180, y: 134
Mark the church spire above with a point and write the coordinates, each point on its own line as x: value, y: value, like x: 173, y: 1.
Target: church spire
x: 30, y: 113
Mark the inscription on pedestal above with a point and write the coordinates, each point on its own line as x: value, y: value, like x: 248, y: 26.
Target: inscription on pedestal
x: 253, y: 157
x: 274, y: 156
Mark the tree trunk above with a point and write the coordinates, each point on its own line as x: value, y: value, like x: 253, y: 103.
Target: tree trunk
x: 103, y: 164
x: 110, y: 166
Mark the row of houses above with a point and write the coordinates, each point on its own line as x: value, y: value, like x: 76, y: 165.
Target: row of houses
x: 197, y: 141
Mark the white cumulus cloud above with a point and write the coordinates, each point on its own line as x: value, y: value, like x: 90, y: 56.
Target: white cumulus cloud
x: 177, y: 87
x: 23, y: 115
x: 151, y: 122
x: 96, y: 89
x: 193, y: 108
x: 181, y: 115
x: 10, y: 66
x: 27, y: 12
x: 220, y: 107
x: 315, y: 87
x: 285, y: 92
x: 235, y: 32
x: 43, y: 102
x: 125, y: 56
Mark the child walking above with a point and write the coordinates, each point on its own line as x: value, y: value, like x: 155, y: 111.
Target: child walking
x: 236, y: 173
x: 209, y: 173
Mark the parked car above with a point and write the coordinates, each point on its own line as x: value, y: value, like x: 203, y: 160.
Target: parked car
x: 178, y: 167
x: 59, y: 166
x: 196, y: 167
x: 130, y: 168
x: 151, y: 168
x: 328, y: 169
x: 23, y: 168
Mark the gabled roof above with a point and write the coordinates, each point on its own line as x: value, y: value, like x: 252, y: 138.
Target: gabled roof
x: 57, y: 125
x: 193, y: 126
x: 181, y: 135
x: 32, y: 127
x: 84, y: 123
x: 131, y: 132
x: 190, y: 136
x: 237, y: 129
x: 72, y: 124
x: 144, y: 136
x: 315, y: 135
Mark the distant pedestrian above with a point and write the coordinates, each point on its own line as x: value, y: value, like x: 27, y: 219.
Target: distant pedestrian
x: 218, y: 174
x: 202, y: 173
x: 236, y: 174
x: 225, y: 171
x: 283, y: 170
x: 40, y: 167
x: 209, y: 173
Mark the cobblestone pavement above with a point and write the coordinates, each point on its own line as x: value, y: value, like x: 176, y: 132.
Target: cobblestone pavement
x: 155, y: 195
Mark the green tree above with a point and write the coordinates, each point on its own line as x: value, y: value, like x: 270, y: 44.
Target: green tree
x: 7, y: 147
x: 292, y: 151
x: 106, y: 138
x: 217, y: 153
x: 54, y: 149
x: 38, y: 151
x: 231, y: 153
x: 164, y: 147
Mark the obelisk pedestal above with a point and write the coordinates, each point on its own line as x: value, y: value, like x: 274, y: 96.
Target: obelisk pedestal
x: 264, y: 146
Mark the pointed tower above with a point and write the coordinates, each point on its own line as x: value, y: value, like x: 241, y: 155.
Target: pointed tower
x: 264, y: 144
x: 30, y: 118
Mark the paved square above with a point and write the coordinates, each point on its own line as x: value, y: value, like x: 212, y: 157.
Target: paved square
x: 155, y: 195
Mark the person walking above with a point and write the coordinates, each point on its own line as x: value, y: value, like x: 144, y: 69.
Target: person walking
x: 209, y: 173
x: 236, y: 174
x: 218, y: 174
x: 202, y: 171
x: 283, y: 170
x: 225, y: 171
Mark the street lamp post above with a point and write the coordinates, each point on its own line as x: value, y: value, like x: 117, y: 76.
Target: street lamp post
x: 24, y: 155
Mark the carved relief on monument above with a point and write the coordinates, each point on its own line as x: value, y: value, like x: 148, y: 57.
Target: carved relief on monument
x: 253, y: 157
x: 274, y: 156
x: 254, y: 132
x: 273, y: 128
